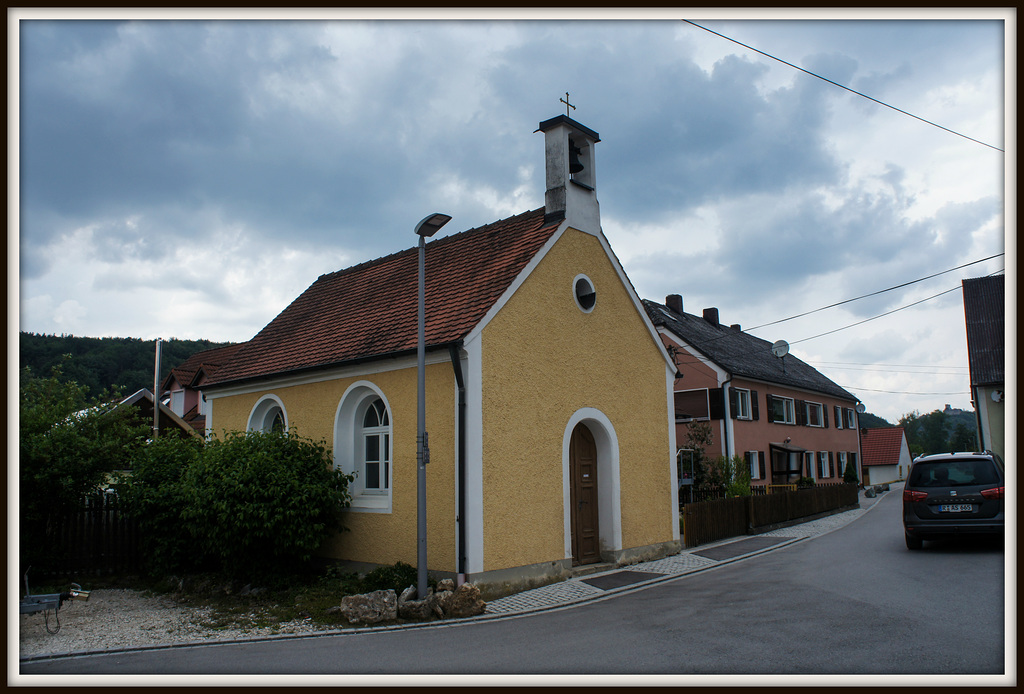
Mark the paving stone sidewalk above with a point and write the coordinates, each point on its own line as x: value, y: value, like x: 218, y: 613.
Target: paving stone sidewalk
x: 583, y: 588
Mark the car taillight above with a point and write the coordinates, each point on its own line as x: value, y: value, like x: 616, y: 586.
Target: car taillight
x: 995, y: 493
x: 915, y: 496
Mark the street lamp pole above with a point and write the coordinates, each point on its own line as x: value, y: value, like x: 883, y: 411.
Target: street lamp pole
x: 428, y: 226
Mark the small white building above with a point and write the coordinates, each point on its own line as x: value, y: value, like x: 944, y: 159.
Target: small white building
x: 885, y: 455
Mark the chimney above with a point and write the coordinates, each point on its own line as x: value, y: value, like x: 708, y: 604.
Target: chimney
x: 674, y: 303
x: 711, y: 316
x: 736, y: 327
x: 570, y: 175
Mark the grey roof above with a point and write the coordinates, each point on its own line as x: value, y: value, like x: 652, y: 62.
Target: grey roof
x: 742, y: 354
x: 984, y: 306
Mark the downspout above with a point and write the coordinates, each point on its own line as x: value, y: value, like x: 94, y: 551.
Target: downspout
x: 460, y: 511
x: 728, y: 417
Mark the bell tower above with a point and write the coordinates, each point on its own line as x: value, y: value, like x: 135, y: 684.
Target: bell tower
x: 570, y: 173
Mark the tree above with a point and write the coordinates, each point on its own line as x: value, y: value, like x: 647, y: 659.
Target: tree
x: 68, y: 443
x: 963, y: 439
x: 698, y: 438
x: 261, y: 503
x: 850, y: 473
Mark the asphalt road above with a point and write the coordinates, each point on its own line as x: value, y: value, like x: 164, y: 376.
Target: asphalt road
x: 853, y: 601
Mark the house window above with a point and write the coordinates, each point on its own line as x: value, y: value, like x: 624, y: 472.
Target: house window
x: 814, y: 414
x: 822, y: 464
x: 583, y: 293
x: 268, y: 416
x: 809, y: 464
x: 839, y: 417
x: 375, y: 435
x: 178, y: 402
x: 754, y: 459
x: 742, y: 404
x: 782, y: 410
x: 851, y: 420
x: 364, y: 446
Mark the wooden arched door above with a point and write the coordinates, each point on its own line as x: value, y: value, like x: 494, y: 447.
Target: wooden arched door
x: 586, y: 540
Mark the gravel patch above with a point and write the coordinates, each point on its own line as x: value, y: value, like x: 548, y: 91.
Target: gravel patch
x: 112, y: 619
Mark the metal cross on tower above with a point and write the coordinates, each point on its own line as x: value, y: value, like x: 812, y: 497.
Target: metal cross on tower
x: 567, y: 104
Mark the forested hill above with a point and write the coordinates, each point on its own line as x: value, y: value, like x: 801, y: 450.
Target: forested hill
x: 102, y: 362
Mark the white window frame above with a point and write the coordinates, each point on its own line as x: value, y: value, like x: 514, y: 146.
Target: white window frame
x: 841, y: 470
x: 809, y: 463
x: 839, y: 416
x: 264, y: 412
x: 851, y: 417
x: 822, y: 464
x: 178, y: 402
x: 382, y: 435
x: 755, y: 465
x: 816, y: 407
x: 788, y: 410
x: 743, y: 409
x: 350, y: 446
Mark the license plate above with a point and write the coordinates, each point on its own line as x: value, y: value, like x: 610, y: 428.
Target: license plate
x: 956, y: 508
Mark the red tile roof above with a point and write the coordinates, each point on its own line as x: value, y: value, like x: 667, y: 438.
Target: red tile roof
x: 369, y: 310
x: 881, y: 446
x: 207, y: 361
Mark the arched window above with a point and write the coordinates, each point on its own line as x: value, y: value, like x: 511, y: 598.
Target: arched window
x: 363, y: 446
x: 268, y: 415
x: 375, y: 435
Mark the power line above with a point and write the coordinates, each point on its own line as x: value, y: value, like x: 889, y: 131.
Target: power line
x: 880, y: 291
x: 934, y: 296
x: 905, y: 392
x: 859, y: 363
x: 797, y: 67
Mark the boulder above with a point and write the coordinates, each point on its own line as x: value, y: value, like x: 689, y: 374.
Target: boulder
x: 370, y: 608
x: 466, y: 602
x: 870, y: 493
x: 445, y: 584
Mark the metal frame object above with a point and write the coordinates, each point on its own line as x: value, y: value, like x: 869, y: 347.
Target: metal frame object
x: 30, y: 604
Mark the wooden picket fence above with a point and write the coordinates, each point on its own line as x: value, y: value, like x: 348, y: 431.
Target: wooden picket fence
x: 96, y: 538
x: 718, y: 519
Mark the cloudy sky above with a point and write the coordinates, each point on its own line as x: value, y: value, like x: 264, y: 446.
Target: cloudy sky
x: 190, y: 178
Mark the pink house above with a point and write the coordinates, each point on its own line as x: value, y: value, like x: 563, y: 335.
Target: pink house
x: 779, y: 414
x: 185, y: 383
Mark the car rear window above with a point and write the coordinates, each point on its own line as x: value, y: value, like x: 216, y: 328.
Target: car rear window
x: 953, y: 473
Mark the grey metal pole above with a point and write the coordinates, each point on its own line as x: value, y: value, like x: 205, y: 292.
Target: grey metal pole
x: 421, y: 434
x: 156, y: 392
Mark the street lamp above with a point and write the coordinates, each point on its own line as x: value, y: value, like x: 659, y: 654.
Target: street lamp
x: 428, y: 226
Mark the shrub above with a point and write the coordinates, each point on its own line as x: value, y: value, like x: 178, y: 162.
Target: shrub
x: 155, y: 495
x: 850, y: 473
x: 397, y: 577
x: 262, y: 502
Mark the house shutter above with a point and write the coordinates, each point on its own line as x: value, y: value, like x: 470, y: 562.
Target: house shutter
x: 753, y: 405
x: 824, y: 416
x: 716, y: 404
x: 801, y: 413
x: 831, y: 465
x: 771, y: 410
x: 760, y: 465
x: 734, y: 403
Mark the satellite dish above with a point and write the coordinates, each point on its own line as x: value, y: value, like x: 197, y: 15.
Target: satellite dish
x: 780, y: 348
x: 997, y: 395
x: 860, y: 408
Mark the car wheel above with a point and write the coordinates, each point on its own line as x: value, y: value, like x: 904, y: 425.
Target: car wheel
x: 913, y: 542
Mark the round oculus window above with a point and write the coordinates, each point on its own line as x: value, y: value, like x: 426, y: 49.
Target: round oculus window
x: 584, y: 293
